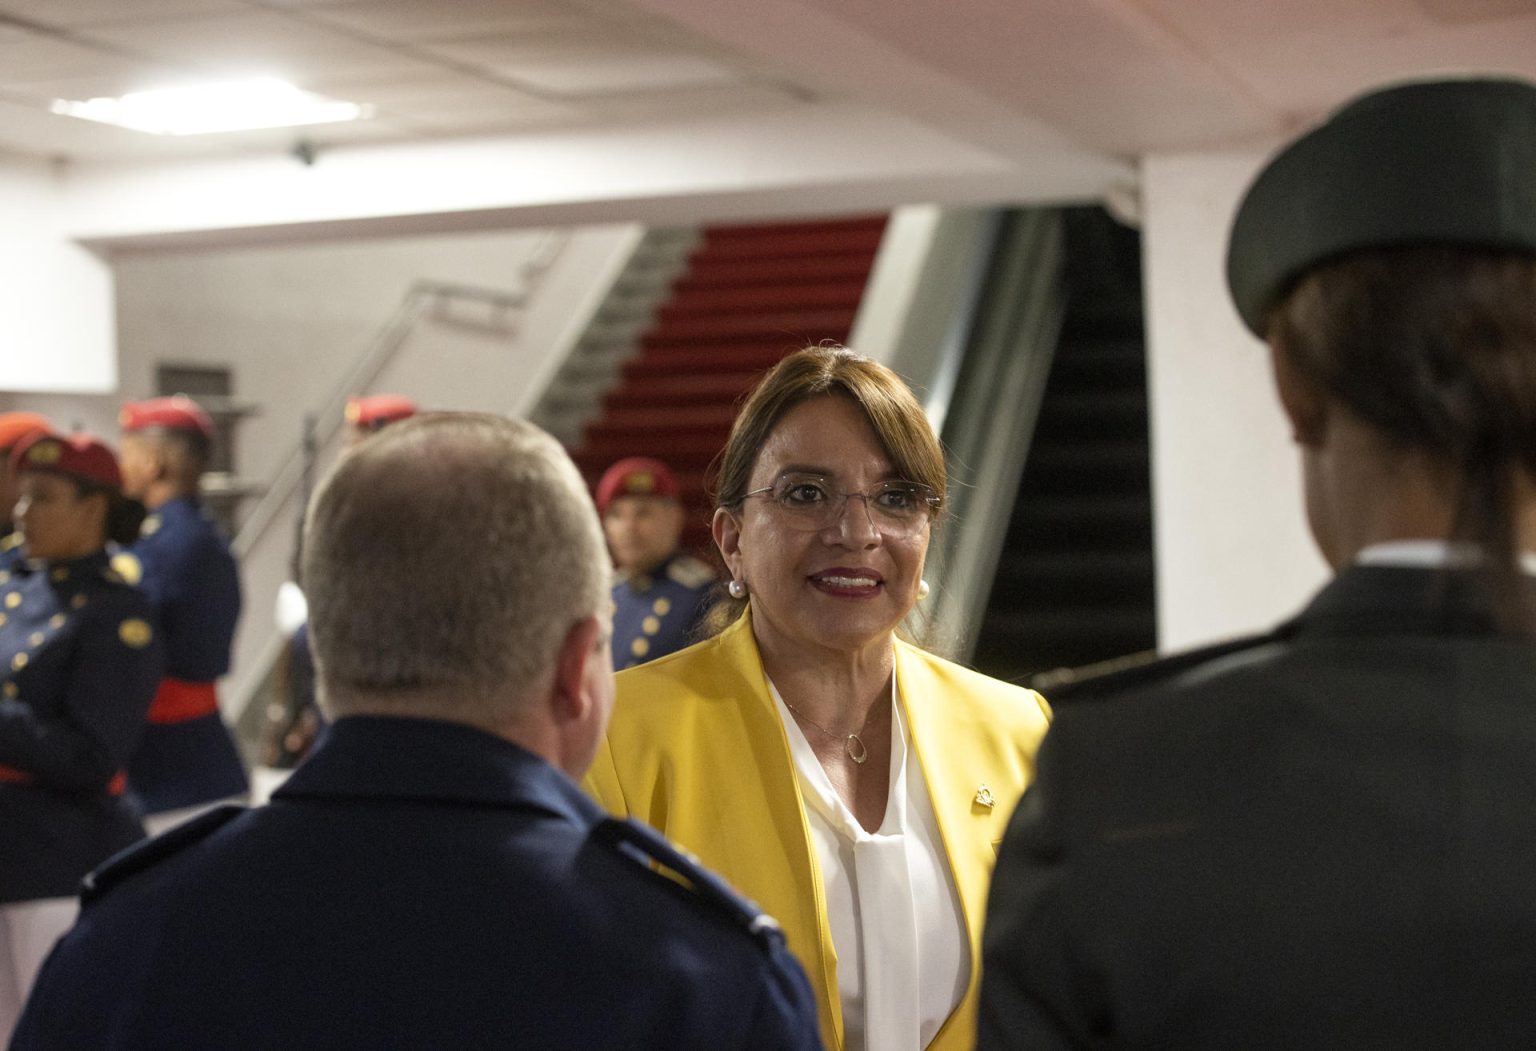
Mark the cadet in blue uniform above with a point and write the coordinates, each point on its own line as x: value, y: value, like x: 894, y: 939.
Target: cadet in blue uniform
x: 14, y: 426
x: 431, y: 877
x: 187, y: 757
x: 79, y: 662
x: 661, y: 592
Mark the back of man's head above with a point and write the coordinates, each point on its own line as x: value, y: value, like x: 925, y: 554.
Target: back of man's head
x: 446, y: 562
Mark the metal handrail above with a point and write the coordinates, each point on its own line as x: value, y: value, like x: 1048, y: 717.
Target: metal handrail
x: 989, y: 414
x: 369, y: 365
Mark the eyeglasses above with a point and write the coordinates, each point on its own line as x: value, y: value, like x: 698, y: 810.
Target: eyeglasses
x: 811, y: 503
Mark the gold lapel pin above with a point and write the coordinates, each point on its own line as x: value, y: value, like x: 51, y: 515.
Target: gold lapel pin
x: 984, y: 797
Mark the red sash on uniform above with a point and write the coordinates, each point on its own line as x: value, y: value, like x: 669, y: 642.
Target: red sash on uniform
x: 178, y: 701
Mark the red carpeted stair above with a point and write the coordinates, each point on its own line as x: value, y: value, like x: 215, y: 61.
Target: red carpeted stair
x: 748, y: 296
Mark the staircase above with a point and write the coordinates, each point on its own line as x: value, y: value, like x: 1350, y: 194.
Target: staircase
x: 1075, y: 581
x: 747, y: 296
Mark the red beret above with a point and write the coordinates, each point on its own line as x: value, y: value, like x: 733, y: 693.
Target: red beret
x: 370, y: 412
x: 635, y: 476
x: 77, y: 456
x: 15, y: 426
x: 176, y: 413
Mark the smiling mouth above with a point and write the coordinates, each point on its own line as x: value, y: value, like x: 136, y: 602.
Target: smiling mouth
x: 849, y: 585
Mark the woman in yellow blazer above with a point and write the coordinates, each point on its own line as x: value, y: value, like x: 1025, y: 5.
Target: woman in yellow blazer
x: 852, y: 784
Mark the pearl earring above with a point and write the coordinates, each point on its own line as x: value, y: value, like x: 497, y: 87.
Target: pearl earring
x: 737, y: 589
x: 923, y: 589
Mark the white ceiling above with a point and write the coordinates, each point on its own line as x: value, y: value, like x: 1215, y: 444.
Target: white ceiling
x: 1118, y: 78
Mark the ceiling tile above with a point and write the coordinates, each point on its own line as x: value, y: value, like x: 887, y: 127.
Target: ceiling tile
x: 255, y: 41
x: 70, y: 13
x: 412, y: 21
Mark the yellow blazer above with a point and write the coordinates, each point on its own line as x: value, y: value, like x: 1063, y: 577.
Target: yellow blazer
x: 697, y: 750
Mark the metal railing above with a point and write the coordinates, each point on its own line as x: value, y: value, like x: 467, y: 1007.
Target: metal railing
x: 421, y: 297
x: 986, y: 408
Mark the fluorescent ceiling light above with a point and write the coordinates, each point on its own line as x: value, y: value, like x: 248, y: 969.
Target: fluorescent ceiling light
x: 201, y: 109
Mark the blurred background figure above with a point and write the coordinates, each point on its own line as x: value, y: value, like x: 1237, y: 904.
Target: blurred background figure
x: 14, y: 426
x: 1323, y: 836
x: 661, y: 591
x: 79, y: 663
x: 187, y: 759
x: 432, y: 877
x: 294, y: 722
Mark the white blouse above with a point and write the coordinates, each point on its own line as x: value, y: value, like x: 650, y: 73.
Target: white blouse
x: 903, y: 960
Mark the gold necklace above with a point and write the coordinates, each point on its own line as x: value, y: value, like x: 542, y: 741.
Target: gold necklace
x: 853, y: 744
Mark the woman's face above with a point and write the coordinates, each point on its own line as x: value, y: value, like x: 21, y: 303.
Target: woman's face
x: 844, y: 586
x: 57, y: 521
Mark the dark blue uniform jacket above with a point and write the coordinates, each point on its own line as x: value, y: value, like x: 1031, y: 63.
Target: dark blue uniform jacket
x: 79, y: 662
x: 416, y: 884
x: 192, y: 582
x: 657, y: 613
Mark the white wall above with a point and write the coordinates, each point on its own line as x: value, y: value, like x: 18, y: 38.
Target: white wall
x: 1233, y: 553
x: 55, y: 297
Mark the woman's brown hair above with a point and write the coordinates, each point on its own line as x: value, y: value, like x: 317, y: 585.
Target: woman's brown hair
x: 1435, y: 347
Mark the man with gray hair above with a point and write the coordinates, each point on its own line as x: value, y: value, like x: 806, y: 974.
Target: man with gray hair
x: 431, y: 876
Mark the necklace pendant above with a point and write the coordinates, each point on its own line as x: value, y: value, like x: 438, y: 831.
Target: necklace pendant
x: 855, y: 748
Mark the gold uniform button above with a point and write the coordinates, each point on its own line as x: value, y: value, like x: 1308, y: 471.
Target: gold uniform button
x: 135, y: 633
x: 661, y: 607
x: 12, y: 691
x: 5, y: 576
x: 13, y: 600
x: 59, y: 575
x: 57, y: 621
x: 18, y: 662
x: 78, y: 602
x: 650, y: 625
x: 640, y: 647
x: 35, y: 639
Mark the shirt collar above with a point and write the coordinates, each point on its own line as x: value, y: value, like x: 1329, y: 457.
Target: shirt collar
x: 1430, y: 554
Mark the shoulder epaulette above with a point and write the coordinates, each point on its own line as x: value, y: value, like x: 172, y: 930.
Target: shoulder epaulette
x: 151, y: 852
x: 650, y: 849
x: 690, y: 572
x: 1138, y: 670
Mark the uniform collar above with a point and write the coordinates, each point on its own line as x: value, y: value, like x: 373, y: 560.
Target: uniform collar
x: 656, y: 572
x: 92, y: 565
x: 1377, y: 599
x: 427, y: 760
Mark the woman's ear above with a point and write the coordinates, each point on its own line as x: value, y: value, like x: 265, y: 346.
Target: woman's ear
x: 726, y: 529
x: 1304, y: 403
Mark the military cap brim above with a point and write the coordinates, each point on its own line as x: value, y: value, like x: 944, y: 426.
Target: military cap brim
x: 1449, y: 162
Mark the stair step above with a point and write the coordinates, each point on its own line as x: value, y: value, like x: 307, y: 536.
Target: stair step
x: 833, y: 266
x: 676, y: 417
x: 787, y: 324
x: 1100, y: 364
x: 1067, y: 578
x: 676, y: 361
x: 854, y: 225
x: 1093, y: 416
x: 843, y: 295
x: 1085, y: 467
x: 684, y: 388
x: 1087, y: 522
x: 734, y: 246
